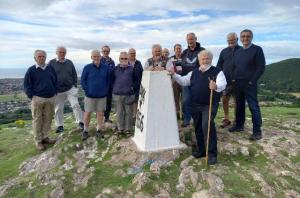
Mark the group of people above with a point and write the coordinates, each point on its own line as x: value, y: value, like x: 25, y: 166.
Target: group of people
x: 193, y: 79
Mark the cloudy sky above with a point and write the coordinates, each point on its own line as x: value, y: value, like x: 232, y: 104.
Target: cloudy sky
x: 83, y: 25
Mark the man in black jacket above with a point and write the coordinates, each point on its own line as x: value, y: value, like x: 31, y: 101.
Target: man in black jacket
x: 189, y: 62
x: 249, y: 65
x: 225, y: 62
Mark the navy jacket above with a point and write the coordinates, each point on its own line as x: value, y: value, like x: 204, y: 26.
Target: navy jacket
x: 190, y: 59
x: 226, y: 61
x: 95, y: 80
x: 249, y: 64
x: 40, y: 82
x: 124, y: 80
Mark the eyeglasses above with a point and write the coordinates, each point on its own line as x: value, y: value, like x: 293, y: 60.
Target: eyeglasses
x: 123, y: 58
x: 246, y: 36
x: 105, y: 51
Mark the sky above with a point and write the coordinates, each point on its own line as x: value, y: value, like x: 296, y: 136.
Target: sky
x: 83, y: 25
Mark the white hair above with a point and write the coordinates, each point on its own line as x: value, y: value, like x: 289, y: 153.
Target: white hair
x: 95, y: 52
x: 61, y: 47
x: 39, y: 51
x: 232, y: 34
x: 209, y: 53
x: 156, y: 46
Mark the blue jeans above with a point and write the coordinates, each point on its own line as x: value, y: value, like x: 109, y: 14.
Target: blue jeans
x: 186, y: 104
x: 245, y: 91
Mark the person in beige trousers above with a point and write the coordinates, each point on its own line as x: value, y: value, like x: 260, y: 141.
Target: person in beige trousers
x: 40, y: 85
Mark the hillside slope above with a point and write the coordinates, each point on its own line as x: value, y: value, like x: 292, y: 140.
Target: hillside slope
x: 112, y: 167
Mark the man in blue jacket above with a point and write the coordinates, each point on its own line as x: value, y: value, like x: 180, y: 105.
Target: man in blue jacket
x: 249, y: 65
x: 95, y: 81
x: 40, y: 85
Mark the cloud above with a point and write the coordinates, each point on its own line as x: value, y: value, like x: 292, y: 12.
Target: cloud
x: 83, y: 25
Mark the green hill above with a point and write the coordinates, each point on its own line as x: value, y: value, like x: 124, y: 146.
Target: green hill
x: 283, y: 76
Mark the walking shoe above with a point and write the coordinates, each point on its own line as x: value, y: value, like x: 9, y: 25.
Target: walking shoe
x: 236, y: 129
x: 48, y: 141
x: 183, y: 125
x: 254, y: 137
x: 212, y: 160
x: 99, y: 134
x: 197, y: 155
x: 81, y: 125
x: 84, y: 135
x: 108, y: 120
x: 40, y: 146
x: 225, y: 123
x: 60, y: 129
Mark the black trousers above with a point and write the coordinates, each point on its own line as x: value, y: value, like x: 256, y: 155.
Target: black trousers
x: 246, y: 92
x: 108, y: 104
x: 200, y: 117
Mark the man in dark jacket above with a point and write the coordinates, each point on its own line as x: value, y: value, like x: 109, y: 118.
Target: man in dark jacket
x: 67, y: 88
x: 138, y: 69
x: 124, y: 83
x: 189, y: 63
x: 95, y: 81
x: 249, y: 65
x: 110, y: 62
x: 40, y: 85
x: 225, y: 62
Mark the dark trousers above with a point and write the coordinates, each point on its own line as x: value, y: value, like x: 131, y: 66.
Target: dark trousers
x: 200, y: 117
x: 108, y: 105
x: 245, y: 91
x: 186, y: 104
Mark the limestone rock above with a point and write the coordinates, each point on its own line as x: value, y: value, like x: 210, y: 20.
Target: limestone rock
x: 141, y: 180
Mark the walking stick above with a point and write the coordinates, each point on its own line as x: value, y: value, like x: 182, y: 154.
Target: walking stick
x: 208, y: 127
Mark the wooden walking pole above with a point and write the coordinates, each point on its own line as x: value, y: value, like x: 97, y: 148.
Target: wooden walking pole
x: 208, y: 127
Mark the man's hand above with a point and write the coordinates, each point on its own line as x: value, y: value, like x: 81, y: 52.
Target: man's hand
x: 159, y: 68
x: 212, y: 85
x: 171, y: 71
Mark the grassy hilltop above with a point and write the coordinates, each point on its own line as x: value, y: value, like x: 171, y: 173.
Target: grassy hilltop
x: 112, y: 167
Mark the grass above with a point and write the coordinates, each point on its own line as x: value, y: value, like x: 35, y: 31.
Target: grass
x: 19, y: 96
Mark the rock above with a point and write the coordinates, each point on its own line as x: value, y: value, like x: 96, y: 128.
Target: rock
x: 215, y: 183
x: 267, y: 190
x: 141, y: 180
x: 68, y: 165
x: 155, y: 167
x: 186, y: 176
x: 41, y: 163
x: 134, y: 170
x: 81, y: 179
x: 57, y: 193
x: 7, y: 185
x: 186, y: 162
x: 201, y: 194
x: 142, y: 195
x: 163, y: 191
x: 244, y: 150
x: 291, y: 194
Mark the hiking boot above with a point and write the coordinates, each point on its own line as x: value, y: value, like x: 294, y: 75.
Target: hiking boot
x: 225, y: 123
x: 108, y: 121
x: 255, y: 137
x: 81, y: 125
x: 99, y: 134
x: 40, y: 146
x: 197, y: 155
x: 84, y: 135
x: 236, y: 129
x: 60, y: 129
x: 212, y: 160
x: 48, y: 141
x: 183, y: 125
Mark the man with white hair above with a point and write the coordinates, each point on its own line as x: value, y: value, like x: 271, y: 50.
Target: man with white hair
x: 67, y: 88
x: 202, y: 81
x: 95, y: 81
x: 40, y: 85
x: 165, y: 53
x: 157, y: 62
x: 225, y: 63
x: 138, y: 69
x: 189, y: 62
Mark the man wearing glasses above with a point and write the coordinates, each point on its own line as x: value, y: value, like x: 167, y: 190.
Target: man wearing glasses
x: 225, y: 62
x: 67, y: 88
x: 110, y: 62
x: 249, y: 65
x: 124, y: 83
x: 157, y: 62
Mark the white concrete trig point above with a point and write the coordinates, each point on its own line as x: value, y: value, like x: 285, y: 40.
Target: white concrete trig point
x: 156, y: 125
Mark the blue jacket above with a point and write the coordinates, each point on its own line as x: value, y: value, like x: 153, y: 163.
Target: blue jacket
x: 40, y: 82
x: 124, y: 80
x: 95, y: 80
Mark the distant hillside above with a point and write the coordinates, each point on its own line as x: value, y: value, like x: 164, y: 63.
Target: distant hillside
x: 283, y: 76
